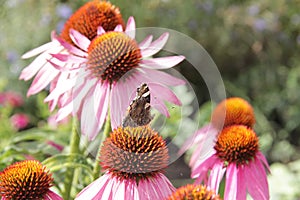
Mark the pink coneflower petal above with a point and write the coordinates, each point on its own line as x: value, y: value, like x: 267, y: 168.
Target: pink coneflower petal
x: 42, y: 79
x: 155, y: 46
x: 52, y: 196
x: 72, y: 48
x: 146, y: 42
x: 205, y: 166
x: 119, y: 28
x: 164, y: 93
x: 28, y: 72
x: 231, y: 186
x: 216, y: 175
x: 257, y: 184
x: 261, y: 157
x: 120, y: 100
x: 242, y: 182
x: 163, y: 78
x: 92, y: 190
x: 130, y: 28
x: 39, y: 50
x: 162, y: 63
x: 79, y: 39
x: 204, y: 149
x: 100, y: 30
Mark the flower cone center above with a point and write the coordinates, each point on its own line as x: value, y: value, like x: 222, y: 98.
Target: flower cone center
x: 194, y: 192
x: 134, y: 153
x: 25, y: 180
x: 90, y: 16
x: 233, y: 111
x: 237, y: 144
x: 111, y: 55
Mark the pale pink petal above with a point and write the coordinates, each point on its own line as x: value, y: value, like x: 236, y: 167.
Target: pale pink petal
x: 63, y: 57
x: 64, y: 85
x: 205, y: 149
x: 161, y: 63
x: 118, y: 28
x: 159, y: 77
x: 120, y: 99
x: 42, y: 79
x: 162, y: 184
x: 119, y: 190
x: 146, y: 42
x: 39, y: 50
x: 89, y: 122
x: 63, y: 112
x: 256, y: 180
x: 53, y: 196
x: 200, y: 172
x: 93, y: 190
x: 155, y: 46
x: 130, y: 28
x: 72, y: 48
x: 79, y: 39
x: 159, y: 91
x: 39, y: 62
x: 197, y: 138
x: 100, y: 30
x: 216, y: 175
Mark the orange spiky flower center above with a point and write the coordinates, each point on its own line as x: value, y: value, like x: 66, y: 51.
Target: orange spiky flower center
x: 237, y: 143
x: 89, y: 17
x: 194, y: 192
x: 111, y: 55
x: 25, y: 180
x: 134, y: 153
x: 233, y: 111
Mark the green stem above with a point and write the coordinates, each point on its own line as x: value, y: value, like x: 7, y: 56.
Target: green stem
x: 107, y: 130
x: 74, y: 148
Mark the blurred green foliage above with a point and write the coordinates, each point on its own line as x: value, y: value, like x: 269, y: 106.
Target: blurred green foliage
x: 255, y: 44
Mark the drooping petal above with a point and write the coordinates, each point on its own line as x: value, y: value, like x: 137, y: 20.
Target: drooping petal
x: 146, y: 42
x: 161, y: 63
x: 53, y: 196
x: 216, y: 175
x: 257, y: 184
x: 261, y: 157
x: 200, y: 172
x: 241, y: 187
x: 155, y: 46
x: 79, y: 39
x: 130, y: 28
x: 39, y: 50
x: 231, y: 189
x: 205, y: 148
x: 42, y: 79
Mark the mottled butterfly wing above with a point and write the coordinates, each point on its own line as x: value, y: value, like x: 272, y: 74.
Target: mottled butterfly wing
x: 139, y: 111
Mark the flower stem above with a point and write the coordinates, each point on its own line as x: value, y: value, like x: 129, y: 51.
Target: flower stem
x: 74, y: 148
x: 107, y: 130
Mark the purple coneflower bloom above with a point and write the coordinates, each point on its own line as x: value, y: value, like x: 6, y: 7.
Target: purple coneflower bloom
x: 109, y: 69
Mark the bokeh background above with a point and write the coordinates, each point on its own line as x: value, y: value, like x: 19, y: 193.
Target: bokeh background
x: 255, y: 45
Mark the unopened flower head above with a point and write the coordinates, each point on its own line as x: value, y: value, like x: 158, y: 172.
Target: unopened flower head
x: 194, y: 192
x: 26, y: 180
x: 232, y: 111
x: 133, y: 159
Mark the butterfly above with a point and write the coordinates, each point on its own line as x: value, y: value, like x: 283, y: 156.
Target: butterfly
x: 138, y: 112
